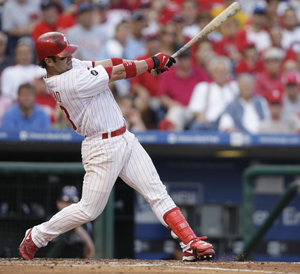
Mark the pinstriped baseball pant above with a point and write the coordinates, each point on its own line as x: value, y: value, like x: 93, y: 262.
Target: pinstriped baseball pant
x: 105, y: 160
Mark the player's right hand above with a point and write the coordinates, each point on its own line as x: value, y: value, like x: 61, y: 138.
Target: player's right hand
x: 163, y: 61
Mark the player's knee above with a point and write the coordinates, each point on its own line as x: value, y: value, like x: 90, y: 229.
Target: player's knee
x: 88, y: 212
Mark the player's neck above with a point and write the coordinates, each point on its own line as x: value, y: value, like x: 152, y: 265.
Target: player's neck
x: 52, y: 72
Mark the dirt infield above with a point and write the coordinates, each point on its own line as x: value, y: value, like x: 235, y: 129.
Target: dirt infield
x: 74, y: 266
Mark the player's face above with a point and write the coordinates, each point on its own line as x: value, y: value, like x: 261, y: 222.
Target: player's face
x: 61, y: 65
x: 64, y: 64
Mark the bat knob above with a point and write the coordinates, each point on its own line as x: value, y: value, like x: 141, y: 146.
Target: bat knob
x: 153, y: 72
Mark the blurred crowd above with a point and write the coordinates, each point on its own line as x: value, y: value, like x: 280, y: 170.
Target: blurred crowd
x: 244, y: 76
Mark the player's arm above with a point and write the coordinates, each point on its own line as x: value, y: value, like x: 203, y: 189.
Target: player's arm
x: 130, y: 69
x: 111, y: 62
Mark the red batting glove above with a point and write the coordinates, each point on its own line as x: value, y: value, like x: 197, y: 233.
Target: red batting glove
x: 163, y: 61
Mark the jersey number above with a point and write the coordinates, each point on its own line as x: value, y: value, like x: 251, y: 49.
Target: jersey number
x: 68, y: 116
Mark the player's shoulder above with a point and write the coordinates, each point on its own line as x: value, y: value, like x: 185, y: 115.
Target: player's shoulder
x: 78, y: 64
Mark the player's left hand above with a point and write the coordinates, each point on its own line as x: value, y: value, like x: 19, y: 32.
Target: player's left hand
x: 163, y: 62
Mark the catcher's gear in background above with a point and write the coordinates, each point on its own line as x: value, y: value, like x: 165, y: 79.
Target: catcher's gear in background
x: 162, y: 62
x: 53, y: 44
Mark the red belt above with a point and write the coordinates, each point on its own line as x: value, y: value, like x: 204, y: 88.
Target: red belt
x: 117, y: 132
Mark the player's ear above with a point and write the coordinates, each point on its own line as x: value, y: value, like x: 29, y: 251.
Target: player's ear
x: 49, y: 61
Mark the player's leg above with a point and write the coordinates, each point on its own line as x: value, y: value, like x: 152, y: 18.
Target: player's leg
x: 140, y: 173
x: 102, y: 161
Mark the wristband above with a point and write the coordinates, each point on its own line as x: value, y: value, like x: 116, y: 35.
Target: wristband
x: 150, y: 63
x: 130, y: 69
x: 116, y: 61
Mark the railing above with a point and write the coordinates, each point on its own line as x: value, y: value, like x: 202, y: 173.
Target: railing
x: 250, y: 174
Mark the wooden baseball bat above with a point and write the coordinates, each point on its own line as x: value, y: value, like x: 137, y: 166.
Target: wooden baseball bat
x: 211, y: 26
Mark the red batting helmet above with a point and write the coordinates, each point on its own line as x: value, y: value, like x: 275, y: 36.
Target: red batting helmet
x: 53, y: 44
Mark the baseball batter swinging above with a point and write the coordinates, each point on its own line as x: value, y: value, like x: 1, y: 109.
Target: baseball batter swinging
x: 108, y: 150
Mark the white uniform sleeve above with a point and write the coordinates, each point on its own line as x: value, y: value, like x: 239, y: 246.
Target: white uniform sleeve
x: 198, y: 98
x: 86, y: 64
x: 91, y: 82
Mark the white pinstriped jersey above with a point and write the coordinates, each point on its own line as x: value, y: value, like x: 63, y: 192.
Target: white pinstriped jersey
x: 84, y: 96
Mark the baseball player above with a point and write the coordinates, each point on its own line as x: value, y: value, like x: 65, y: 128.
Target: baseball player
x: 108, y: 150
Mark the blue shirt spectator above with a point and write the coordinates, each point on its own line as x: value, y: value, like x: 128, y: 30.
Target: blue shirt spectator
x: 25, y: 114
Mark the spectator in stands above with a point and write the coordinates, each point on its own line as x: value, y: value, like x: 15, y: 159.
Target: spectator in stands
x: 250, y: 62
x: 51, y: 20
x: 246, y: 111
x: 107, y: 19
x: 5, y: 103
x: 25, y: 114
x: 290, y: 65
x: 291, y: 95
x: 277, y: 123
x: 168, y: 38
x: 255, y: 31
x: 189, y: 10
x: 152, y: 27
x: 291, y: 31
x: 77, y: 243
x: 165, y: 10
x: 42, y: 97
x: 115, y: 47
x: 275, y: 32
x: 136, y: 43
x: 227, y: 44
x: 241, y: 17
x: 270, y: 79
x: 5, y: 59
x: 145, y: 87
x: 87, y: 36
x: 131, y: 115
x: 179, y: 23
x: 209, y: 100
x: 23, y: 72
x: 19, y: 17
x: 176, y: 87
x: 204, y: 53
x: 272, y: 16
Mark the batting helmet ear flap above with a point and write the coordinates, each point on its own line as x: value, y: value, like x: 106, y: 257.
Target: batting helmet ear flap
x: 53, y: 44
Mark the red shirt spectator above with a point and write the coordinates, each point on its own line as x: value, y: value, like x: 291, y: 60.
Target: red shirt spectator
x: 250, y: 63
x: 178, y: 88
x: 52, y: 20
x: 244, y: 67
x: 255, y: 32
